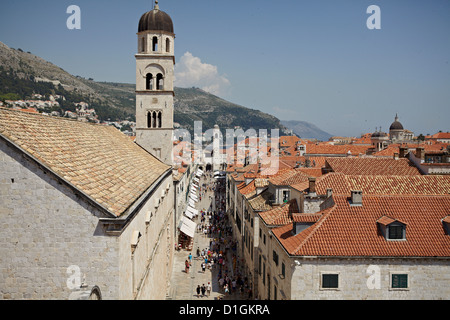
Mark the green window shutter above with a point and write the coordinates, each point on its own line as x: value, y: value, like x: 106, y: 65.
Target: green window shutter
x: 330, y: 281
x: 399, y: 281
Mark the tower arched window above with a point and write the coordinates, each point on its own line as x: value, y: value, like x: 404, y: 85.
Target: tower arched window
x: 149, y: 81
x: 154, y: 120
x: 149, y: 119
x: 155, y: 44
x: 159, y: 82
x: 167, y: 45
x: 159, y: 119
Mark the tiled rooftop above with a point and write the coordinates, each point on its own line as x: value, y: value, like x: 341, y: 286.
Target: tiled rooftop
x: 98, y: 160
x: 372, y: 166
x: 407, y: 185
x: 345, y: 230
x: 280, y: 215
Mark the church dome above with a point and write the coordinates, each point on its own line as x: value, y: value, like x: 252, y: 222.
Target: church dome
x: 379, y: 134
x: 396, y: 125
x: 155, y: 20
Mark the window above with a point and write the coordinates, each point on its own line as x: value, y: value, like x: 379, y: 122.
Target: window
x: 329, y: 281
x: 285, y: 196
x: 399, y: 281
x: 149, y: 81
x: 283, y: 270
x: 167, y: 45
x: 259, y: 264
x: 149, y: 120
x: 155, y: 44
x: 275, y: 257
x: 396, y: 231
x: 143, y: 45
x: 264, y: 273
x: 159, y: 82
x: 153, y: 119
x: 159, y: 120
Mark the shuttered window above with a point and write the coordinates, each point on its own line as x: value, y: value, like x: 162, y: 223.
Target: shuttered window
x: 399, y: 281
x: 330, y: 281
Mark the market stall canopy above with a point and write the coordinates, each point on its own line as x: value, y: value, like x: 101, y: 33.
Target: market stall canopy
x: 187, y: 226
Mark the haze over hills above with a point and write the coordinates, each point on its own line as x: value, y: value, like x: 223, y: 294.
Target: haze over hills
x: 23, y: 73
x: 306, y: 130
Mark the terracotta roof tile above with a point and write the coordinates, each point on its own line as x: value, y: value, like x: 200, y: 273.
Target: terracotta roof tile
x: 329, y: 149
x: 98, y: 160
x: 372, y: 166
x: 345, y: 230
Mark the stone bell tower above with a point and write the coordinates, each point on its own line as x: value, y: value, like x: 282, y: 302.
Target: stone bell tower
x: 155, y: 62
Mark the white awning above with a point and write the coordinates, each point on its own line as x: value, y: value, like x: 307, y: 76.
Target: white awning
x: 188, y: 214
x: 187, y: 226
x: 192, y: 210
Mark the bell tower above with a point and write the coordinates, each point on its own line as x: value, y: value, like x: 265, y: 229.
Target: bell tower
x: 155, y: 63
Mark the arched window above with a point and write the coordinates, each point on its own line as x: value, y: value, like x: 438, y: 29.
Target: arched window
x: 149, y: 81
x: 167, y: 45
x: 154, y: 120
x: 159, y: 119
x: 155, y: 44
x: 159, y: 82
x: 149, y: 119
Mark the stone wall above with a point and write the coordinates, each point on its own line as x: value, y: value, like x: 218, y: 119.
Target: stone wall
x: 45, y: 229
x: 358, y: 279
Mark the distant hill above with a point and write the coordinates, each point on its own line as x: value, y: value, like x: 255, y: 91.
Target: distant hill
x: 194, y: 104
x: 22, y: 73
x: 306, y: 130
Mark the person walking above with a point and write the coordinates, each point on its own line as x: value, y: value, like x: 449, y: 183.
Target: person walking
x: 203, y: 290
x: 198, y: 291
x: 186, y: 266
x: 208, y: 289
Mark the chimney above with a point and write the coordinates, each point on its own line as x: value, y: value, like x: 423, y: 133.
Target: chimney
x: 356, y: 199
x: 396, y: 155
x: 329, y: 192
x: 402, y: 152
x: 312, y: 184
x: 420, y: 153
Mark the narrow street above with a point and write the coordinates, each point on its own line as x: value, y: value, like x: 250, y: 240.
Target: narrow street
x: 213, y: 234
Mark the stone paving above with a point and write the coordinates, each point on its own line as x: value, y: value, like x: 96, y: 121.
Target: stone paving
x: 184, y: 285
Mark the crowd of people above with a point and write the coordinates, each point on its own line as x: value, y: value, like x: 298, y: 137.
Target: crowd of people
x: 220, y: 257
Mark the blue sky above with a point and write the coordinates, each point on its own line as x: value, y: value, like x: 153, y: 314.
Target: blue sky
x: 299, y: 60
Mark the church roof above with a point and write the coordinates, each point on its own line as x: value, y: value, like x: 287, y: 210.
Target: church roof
x: 98, y: 160
x: 396, y: 125
x: 155, y: 20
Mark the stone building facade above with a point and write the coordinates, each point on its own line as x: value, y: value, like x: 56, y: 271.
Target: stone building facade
x: 83, y: 207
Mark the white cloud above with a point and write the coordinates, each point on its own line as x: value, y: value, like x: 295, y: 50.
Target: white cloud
x: 191, y: 72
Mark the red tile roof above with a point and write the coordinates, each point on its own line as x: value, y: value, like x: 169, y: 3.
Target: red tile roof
x: 406, y: 185
x: 329, y: 149
x: 345, y: 230
x: 372, y: 166
x: 280, y: 215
